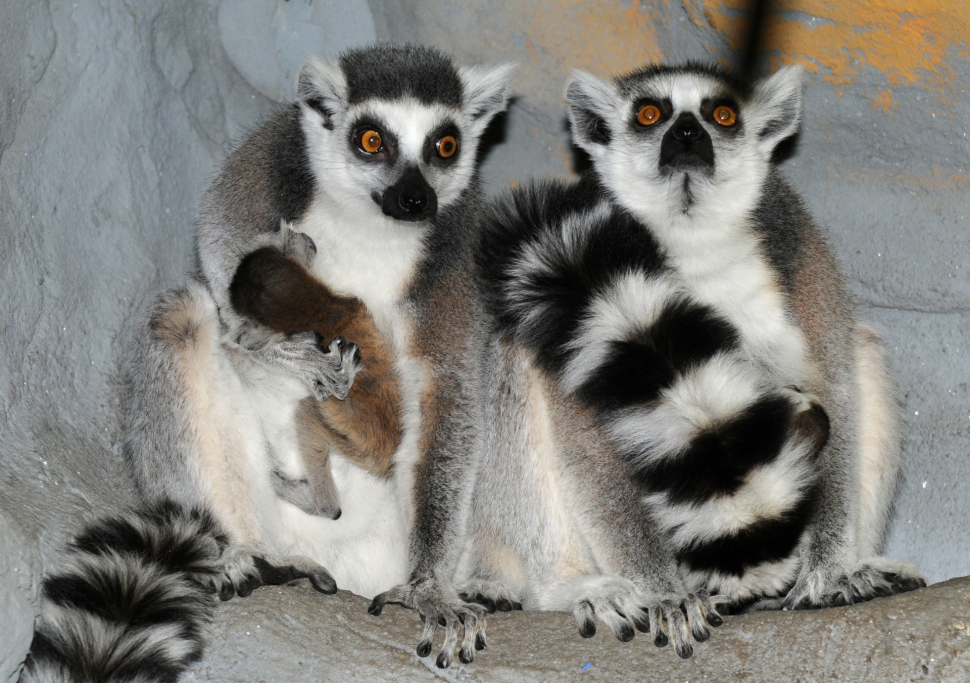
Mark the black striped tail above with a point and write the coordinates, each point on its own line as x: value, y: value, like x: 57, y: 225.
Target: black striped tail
x: 134, y: 602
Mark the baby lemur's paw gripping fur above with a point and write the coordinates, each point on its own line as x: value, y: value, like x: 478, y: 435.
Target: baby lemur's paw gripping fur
x: 439, y: 606
x: 297, y: 245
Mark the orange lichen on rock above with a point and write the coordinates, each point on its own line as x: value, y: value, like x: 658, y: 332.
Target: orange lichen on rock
x: 884, y: 101
x: 595, y: 35
x: 909, y: 41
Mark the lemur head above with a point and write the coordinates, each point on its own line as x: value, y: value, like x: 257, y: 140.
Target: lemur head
x: 394, y: 130
x: 683, y: 142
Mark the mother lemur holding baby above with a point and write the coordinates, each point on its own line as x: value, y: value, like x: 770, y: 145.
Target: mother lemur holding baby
x: 642, y: 397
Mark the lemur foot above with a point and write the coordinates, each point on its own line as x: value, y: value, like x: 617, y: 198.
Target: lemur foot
x: 439, y: 606
x: 238, y: 574
x: 297, y: 245
x: 491, y: 595
x: 245, y: 569
x: 617, y: 603
x: 328, y: 372
x: 876, y: 577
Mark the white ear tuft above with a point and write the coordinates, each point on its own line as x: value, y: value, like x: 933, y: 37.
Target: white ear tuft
x: 776, y: 108
x: 591, y: 102
x: 321, y: 86
x: 486, y: 92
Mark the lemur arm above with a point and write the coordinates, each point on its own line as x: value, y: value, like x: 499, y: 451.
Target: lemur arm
x: 448, y: 346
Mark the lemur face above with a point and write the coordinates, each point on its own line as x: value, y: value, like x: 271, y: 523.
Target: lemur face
x: 682, y: 141
x: 395, y: 131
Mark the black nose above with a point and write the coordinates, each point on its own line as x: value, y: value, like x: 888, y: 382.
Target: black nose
x: 688, y: 130
x: 413, y: 200
x: 410, y: 198
x: 686, y: 146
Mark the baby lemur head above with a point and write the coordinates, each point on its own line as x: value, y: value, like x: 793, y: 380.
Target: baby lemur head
x: 393, y: 130
x: 676, y: 144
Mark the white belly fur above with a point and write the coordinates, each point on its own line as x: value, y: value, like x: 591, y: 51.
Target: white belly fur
x: 366, y: 549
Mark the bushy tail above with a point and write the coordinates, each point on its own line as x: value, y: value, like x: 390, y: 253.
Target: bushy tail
x: 134, y: 602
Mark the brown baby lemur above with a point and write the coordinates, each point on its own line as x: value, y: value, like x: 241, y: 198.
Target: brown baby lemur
x: 276, y: 290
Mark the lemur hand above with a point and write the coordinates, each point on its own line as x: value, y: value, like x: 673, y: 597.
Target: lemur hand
x: 438, y: 605
x: 297, y: 245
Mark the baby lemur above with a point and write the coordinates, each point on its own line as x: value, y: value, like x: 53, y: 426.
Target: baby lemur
x: 274, y: 288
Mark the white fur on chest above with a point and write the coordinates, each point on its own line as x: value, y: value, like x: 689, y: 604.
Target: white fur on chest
x: 358, y: 254
x: 722, y: 266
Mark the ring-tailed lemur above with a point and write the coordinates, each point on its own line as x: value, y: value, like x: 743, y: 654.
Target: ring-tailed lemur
x: 679, y: 372
x: 376, y: 164
x: 136, y: 598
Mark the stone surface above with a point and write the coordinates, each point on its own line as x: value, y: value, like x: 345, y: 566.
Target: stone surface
x: 291, y: 633
x: 19, y: 584
x: 113, y: 115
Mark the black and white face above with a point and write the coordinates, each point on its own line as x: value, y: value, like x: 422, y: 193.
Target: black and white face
x: 402, y: 158
x: 683, y: 141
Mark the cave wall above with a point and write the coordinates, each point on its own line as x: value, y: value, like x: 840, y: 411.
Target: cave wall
x: 114, y: 115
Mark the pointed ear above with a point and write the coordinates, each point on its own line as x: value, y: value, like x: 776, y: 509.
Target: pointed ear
x: 776, y: 108
x: 322, y: 88
x: 486, y: 92
x: 591, y: 101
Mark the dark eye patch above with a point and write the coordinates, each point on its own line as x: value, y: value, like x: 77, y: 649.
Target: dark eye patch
x: 388, y: 151
x: 429, y: 152
x: 710, y: 104
x: 663, y: 104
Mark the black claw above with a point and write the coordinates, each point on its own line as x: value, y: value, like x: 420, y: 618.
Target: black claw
x: 340, y: 342
x: 443, y: 661
x: 517, y: 606
x: 588, y: 629
x: 714, y: 619
x: 479, y: 641
x: 376, y: 607
x: 323, y: 582
x: 465, y: 657
x: 226, y: 592
x: 503, y: 605
x: 626, y: 633
x: 700, y: 634
x: 247, y: 586
x: 642, y: 625
x: 442, y: 621
x: 661, y: 639
x: 424, y: 648
x: 911, y: 584
x: 684, y: 651
x: 489, y: 605
x: 355, y: 354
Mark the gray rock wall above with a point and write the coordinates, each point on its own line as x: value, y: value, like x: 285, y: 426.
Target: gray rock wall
x: 113, y: 115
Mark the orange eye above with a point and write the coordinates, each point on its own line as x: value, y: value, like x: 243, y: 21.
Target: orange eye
x: 447, y: 146
x: 370, y: 141
x: 725, y: 115
x: 648, y: 115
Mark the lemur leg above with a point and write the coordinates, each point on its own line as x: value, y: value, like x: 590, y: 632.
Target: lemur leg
x: 864, y: 575
x: 879, y: 461
x: 190, y: 435
x: 879, y: 440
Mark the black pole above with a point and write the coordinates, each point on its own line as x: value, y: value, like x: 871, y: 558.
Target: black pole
x: 754, y: 40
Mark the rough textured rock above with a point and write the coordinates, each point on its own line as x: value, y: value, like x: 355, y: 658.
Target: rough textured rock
x: 293, y: 634
x: 19, y: 573
x: 114, y: 114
